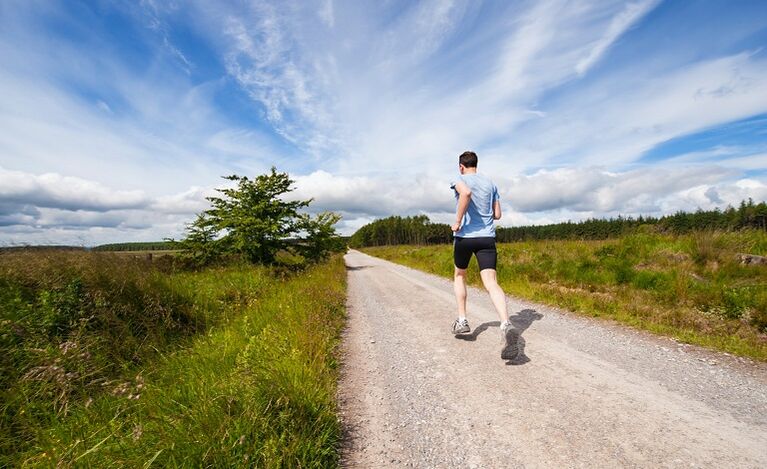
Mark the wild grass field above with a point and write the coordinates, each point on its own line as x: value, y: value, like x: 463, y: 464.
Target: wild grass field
x: 111, y: 361
x: 691, y: 287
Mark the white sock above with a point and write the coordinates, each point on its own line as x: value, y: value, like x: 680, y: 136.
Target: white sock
x: 461, y: 318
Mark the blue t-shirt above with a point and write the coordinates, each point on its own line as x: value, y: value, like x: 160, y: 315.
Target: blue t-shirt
x: 478, y: 220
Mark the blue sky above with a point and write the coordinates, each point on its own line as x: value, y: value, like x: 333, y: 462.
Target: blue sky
x: 119, y: 117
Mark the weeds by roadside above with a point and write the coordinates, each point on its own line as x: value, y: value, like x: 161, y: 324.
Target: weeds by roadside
x: 109, y: 362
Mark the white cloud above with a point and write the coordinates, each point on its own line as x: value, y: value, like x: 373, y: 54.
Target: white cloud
x: 70, y: 193
x: 632, y: 13
x: 189, y: 202
x: 358, y: 196
x: 51, y: 202
x: 601, y: 191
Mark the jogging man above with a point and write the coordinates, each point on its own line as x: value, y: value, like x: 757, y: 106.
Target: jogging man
x: 477, y: 205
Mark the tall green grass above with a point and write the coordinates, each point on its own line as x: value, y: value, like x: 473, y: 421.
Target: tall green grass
x: 691, y: 287
x: 108, y: 362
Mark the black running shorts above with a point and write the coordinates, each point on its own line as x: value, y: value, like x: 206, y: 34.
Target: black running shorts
x: 483, y: 248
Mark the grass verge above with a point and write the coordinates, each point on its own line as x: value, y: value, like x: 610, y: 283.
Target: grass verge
x: 690, y: 287
x: 252, y: 384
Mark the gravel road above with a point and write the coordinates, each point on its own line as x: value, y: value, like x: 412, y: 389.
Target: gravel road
x: 581, y: 392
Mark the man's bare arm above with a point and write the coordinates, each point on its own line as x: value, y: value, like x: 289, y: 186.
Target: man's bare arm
x: 497, y: 210
x: 464, y: 196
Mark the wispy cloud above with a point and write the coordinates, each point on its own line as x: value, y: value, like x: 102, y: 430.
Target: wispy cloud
x: 632, y: 13
x: 265, y: 60
x: 326, y: 13
x: 593, y: 126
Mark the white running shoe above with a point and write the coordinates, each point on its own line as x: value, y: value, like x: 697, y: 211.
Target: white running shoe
x: 461, y: 327
x: 505, y: 326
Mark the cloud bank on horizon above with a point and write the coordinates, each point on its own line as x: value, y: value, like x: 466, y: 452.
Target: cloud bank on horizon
x: 118, y: 119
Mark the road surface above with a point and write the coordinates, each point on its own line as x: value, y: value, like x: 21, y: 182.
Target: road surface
x: 581, y: 392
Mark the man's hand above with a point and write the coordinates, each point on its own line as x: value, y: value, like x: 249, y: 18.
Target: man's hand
x: 456, y: 226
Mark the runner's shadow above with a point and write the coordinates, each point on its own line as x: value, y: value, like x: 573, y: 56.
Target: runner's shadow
x: 514, y: 349
x: 358, y: 267
x: 477, y: 331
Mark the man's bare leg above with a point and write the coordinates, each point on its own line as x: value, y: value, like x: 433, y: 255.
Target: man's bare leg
x: 459, y: 286
x: 490, y: 281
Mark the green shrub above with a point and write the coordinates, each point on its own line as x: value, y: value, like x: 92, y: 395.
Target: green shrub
x: 622, y: 270
x: 736, y: 301
x: 647, y: 280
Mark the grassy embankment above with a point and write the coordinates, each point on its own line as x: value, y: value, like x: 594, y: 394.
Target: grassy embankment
x: 690, y: 287
x: 108, y: 362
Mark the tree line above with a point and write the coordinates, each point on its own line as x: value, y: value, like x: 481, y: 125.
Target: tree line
x: 136, y: 246
x: 420, y: 230
x: 401, y: 230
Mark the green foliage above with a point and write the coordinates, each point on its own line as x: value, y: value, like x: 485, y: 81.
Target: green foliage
x: 251, y: 384
x: 320, y: 237
x: 201, y: 245
x: 399, y: 230
x: 255, y: 221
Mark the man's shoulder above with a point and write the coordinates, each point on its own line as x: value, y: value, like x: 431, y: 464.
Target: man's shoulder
x: 484, y: 180
x: 459, y: 179
x: 473, y: 180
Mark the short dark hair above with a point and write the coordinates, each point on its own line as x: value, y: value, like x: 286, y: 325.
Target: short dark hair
x: 468, y: 159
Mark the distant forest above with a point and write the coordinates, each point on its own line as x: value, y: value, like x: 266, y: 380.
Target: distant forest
x: 149, y: 246
x: 419, y: 230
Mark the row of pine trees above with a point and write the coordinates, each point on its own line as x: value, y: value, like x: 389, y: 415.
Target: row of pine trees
x: 419, y: 230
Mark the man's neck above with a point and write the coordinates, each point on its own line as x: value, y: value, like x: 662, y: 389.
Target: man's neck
x: 470, y: 171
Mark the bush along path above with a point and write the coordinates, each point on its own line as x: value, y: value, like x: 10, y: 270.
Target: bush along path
x: 579, y: 393
x: 236, y: 367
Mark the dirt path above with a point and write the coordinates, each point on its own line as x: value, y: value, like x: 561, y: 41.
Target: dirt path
x: 582, y: 393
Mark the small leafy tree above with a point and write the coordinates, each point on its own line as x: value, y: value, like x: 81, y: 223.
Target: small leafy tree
x: 321, y: 237
x: 254, y: 221
x: 199, y: 243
